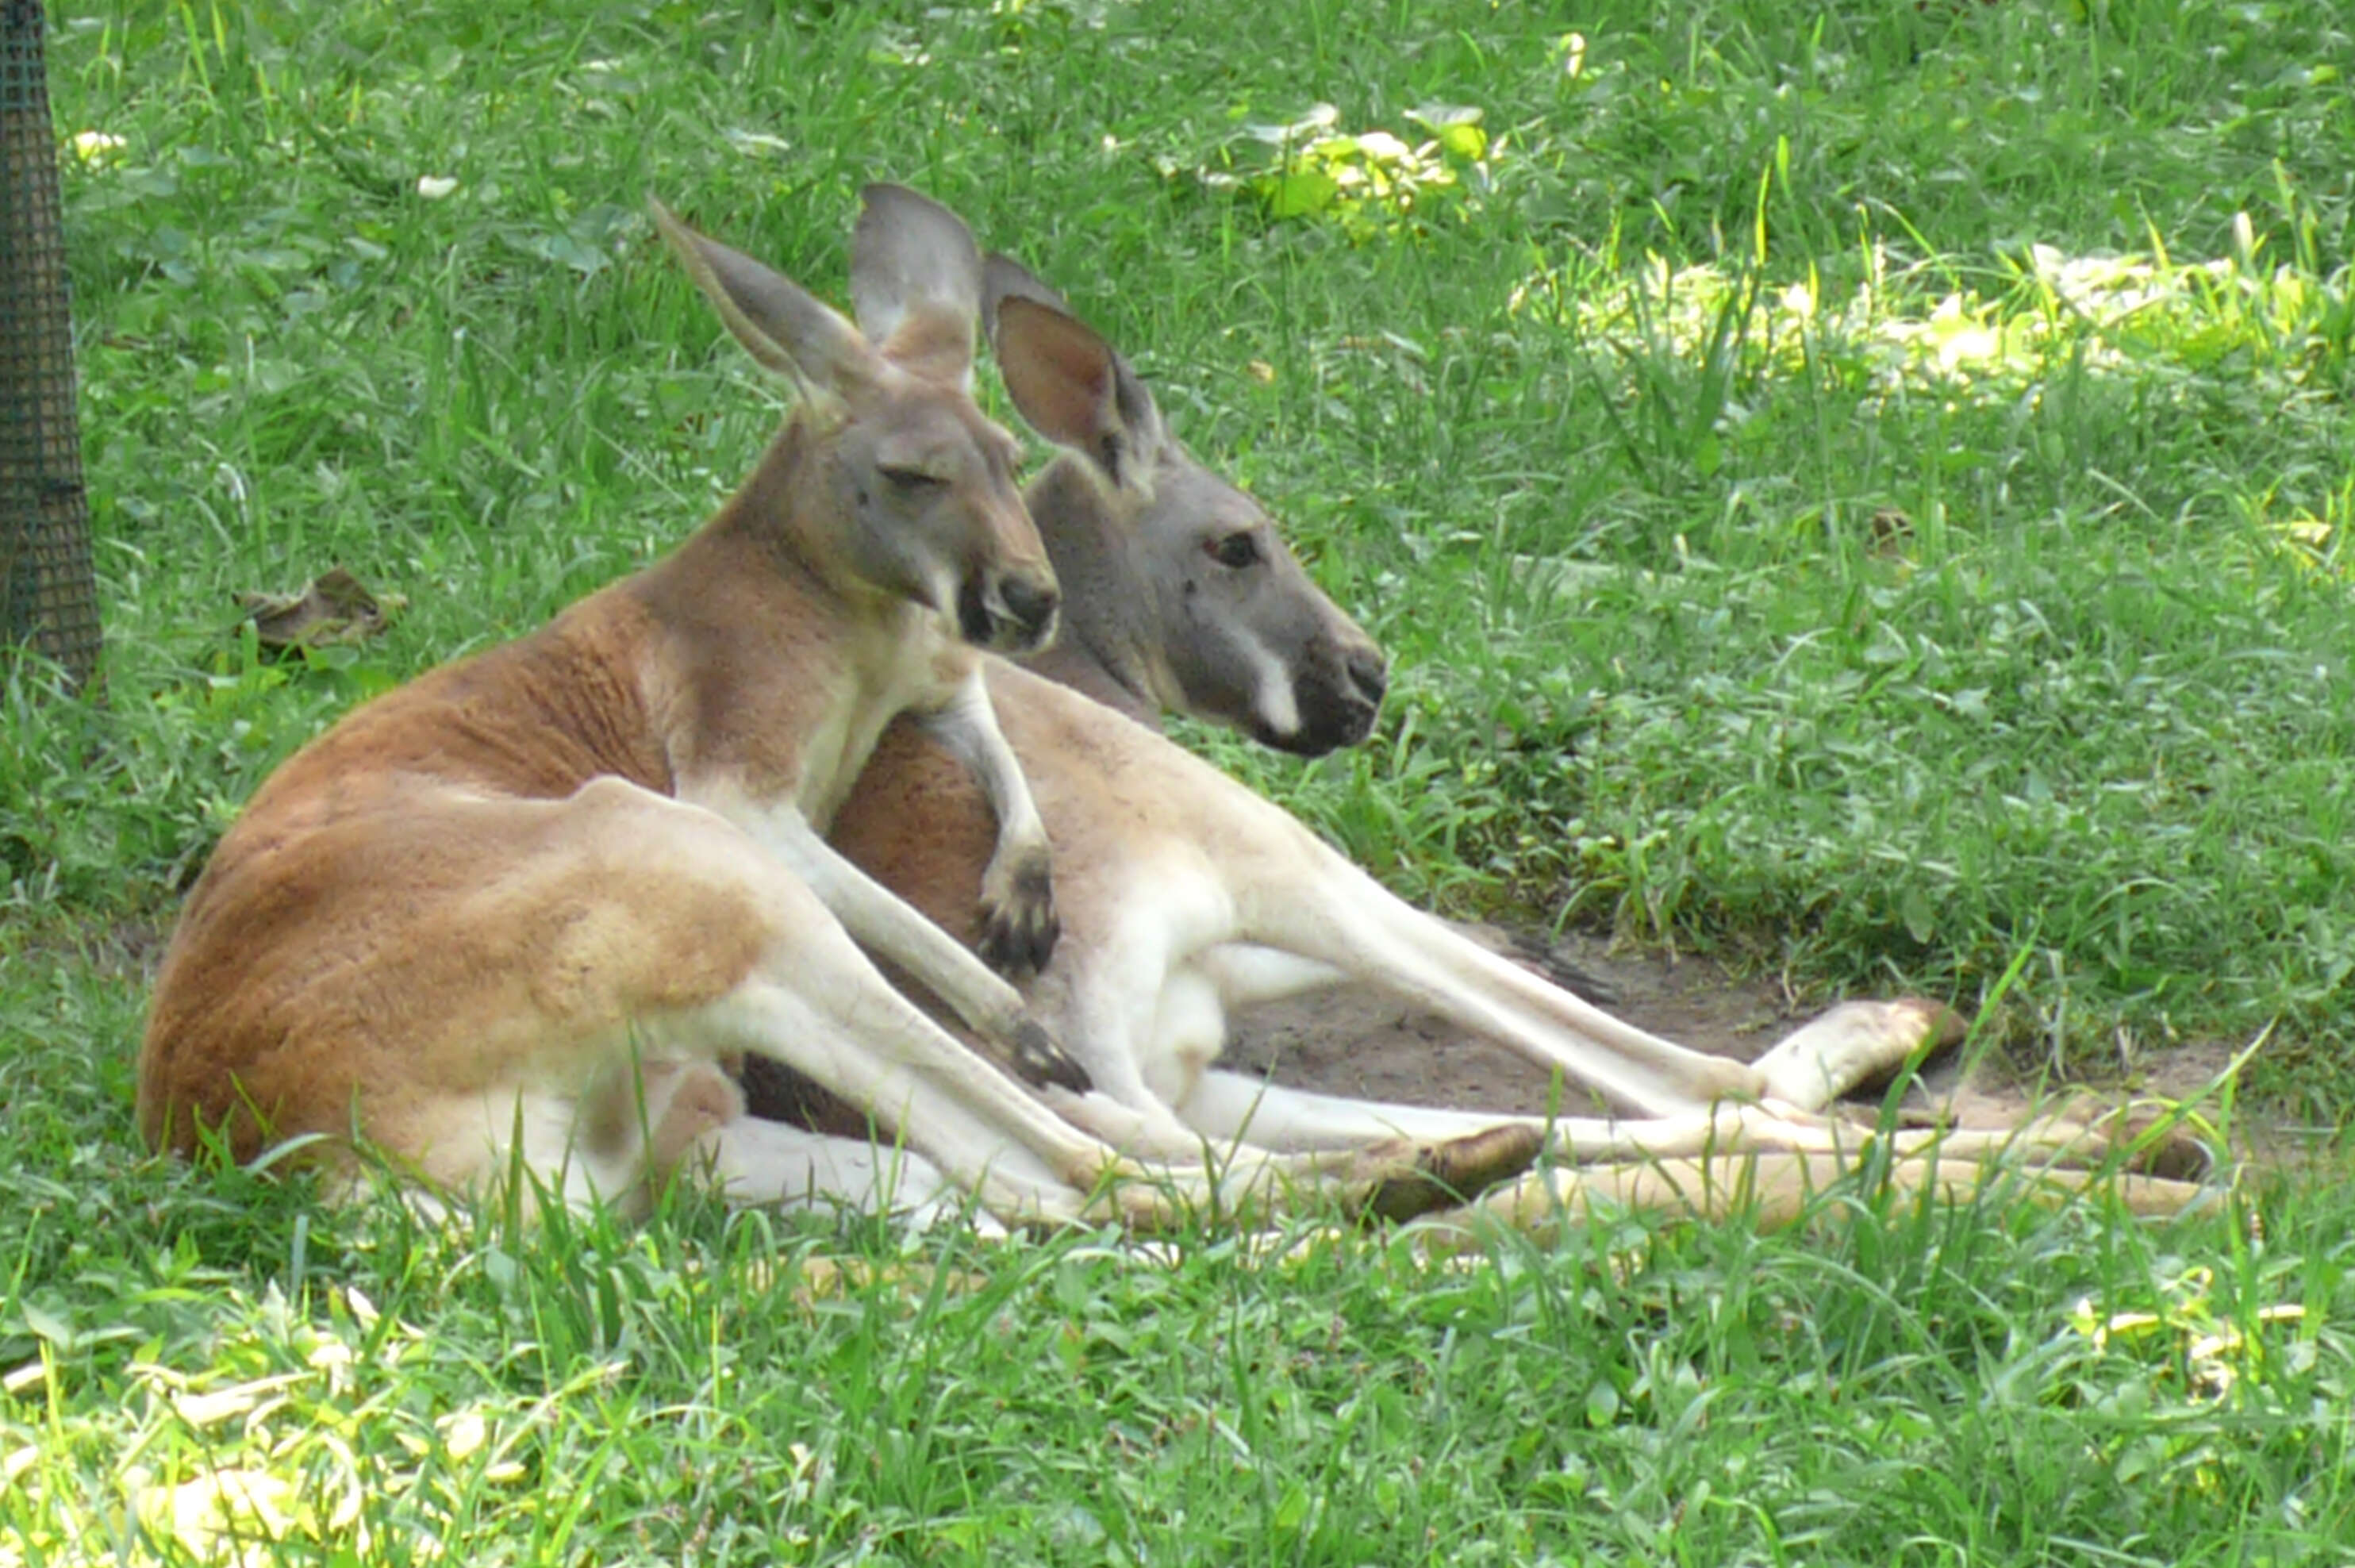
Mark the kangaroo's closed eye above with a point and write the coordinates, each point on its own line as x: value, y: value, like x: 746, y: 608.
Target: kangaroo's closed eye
x: 913, y: 479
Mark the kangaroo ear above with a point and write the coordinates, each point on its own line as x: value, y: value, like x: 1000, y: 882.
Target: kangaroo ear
x: 782, y: 327
x: 1004, y: 278
x: 915, y: 282
x: 1075, y: 389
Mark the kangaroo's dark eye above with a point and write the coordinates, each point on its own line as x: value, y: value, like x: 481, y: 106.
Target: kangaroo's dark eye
x: 1235, y: 551
x: 911, y: 481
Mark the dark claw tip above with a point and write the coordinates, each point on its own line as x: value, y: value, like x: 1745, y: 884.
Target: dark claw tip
x: 1019, y: 943
x: 1040, y: 1062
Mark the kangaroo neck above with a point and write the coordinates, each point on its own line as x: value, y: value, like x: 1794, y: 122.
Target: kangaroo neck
x: 1097, y: 654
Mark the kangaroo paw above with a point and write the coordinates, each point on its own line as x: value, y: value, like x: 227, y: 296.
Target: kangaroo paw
x: 1018, y: 924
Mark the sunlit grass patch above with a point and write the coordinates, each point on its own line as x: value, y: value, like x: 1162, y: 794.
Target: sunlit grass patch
x: 1905, y: 328
x: 2318, y: 542
x: 323, y: 1426
x: 1369, y: 181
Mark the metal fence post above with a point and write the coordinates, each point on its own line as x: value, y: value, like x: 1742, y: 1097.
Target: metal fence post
x: 49, y: 593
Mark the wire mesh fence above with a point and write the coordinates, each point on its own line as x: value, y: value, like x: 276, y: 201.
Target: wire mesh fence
x: 48, y: 595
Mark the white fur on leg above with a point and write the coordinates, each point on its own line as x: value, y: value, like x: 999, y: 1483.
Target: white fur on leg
x: 1851, y: 1044
x: 1237, y: 1107
x: 749, y: 1161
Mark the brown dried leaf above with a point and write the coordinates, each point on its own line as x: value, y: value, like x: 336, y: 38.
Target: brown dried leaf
x: 336, y: 607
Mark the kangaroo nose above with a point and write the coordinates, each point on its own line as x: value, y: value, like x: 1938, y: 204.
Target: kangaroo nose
x: 1031, y: 604
x: 1370, y: 672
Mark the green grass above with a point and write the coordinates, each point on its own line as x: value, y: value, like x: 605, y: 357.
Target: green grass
x: 191, y: 1355
x: 1863, y: 488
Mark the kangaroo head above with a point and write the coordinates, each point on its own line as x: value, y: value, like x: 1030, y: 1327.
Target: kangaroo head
x: 911, y: 489
x: 1205, y: 593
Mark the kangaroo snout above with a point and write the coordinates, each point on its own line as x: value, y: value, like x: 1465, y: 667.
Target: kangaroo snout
x: 1008, y: 613
x: 1031, y: 607
x: 1370, y: 672
x: 1339, y: 700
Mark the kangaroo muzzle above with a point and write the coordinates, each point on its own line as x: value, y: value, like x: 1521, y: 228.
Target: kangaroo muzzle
x: 1008, y: 613
x: 1338, y: 701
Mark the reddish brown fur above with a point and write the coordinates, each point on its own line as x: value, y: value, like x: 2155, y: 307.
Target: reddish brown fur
x: 409, y: 906
x: 325, y: 917
x: 921, y: 827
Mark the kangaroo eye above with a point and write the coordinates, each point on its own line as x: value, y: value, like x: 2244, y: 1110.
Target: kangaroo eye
x: 914, y: 481
x: 1236, y: 550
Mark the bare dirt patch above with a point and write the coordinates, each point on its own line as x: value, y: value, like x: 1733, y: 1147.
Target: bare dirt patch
x: 1357, y: 1041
